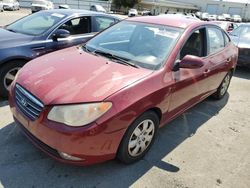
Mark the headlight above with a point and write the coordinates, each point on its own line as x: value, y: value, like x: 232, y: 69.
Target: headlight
x: 80, y: 114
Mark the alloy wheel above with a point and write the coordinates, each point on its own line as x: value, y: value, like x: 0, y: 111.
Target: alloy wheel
x: 225, y: 85
x: 141, y: 138
x: 10, y: 76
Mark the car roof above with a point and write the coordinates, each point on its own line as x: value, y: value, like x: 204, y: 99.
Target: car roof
x: 168, y: 20
x: 70, y: 12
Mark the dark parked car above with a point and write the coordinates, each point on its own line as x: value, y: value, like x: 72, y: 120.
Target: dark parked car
x: 108, y: 98
x: 45, y: 32
x: 241, y: 38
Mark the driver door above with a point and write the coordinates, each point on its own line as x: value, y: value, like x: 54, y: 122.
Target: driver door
x: 190, y: 84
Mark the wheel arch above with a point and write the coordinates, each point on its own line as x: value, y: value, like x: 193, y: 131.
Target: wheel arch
x: 155, y: 110
x: 18, y: 58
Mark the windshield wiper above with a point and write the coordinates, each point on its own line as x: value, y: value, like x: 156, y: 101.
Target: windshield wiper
x: 115, y: 57
x: 84, y: 47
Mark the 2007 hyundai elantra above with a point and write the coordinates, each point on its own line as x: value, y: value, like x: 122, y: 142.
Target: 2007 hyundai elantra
x: 108, y: 98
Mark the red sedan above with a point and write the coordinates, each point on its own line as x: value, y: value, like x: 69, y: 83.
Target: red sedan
x: 107, y: 98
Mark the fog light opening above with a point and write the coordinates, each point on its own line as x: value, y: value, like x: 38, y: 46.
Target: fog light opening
x: 69, y: 157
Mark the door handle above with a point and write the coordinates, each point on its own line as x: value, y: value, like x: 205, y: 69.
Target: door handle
x: 38, y: 48
x: 228, y: 60
x: 206, y: 71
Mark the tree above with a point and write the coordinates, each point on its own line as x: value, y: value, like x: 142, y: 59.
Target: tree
x: 126, y: 3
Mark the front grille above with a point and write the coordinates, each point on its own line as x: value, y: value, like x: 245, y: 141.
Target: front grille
x: 28, y: 104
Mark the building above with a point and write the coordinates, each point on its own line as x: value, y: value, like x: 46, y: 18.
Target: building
x: 161, y: 6
x: 219, y: 7
x: 156, y: 7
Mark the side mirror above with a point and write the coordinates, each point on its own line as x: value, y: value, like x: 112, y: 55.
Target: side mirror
x: 191, y: 62
x: 230, y: 29
x: 60, y: 33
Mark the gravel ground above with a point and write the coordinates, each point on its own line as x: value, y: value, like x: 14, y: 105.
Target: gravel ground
x: 208, y: 146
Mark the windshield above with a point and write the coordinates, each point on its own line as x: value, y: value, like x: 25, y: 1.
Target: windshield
x: 35, y: 24
x: 144, y: 45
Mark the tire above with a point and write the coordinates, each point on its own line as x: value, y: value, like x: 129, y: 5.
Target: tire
x: 222, y: 89
x: 12, y: 68
x: 135, y: 138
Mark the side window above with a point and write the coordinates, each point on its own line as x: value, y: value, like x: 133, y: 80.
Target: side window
x: 194, y: 45
x: 227, y: 39
x: 102, y: 23
x: 216, y: 40
x: 77, y: 26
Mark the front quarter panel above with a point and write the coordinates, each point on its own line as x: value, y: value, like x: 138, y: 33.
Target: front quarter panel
x: 9, y: 54
x: 151, y: 92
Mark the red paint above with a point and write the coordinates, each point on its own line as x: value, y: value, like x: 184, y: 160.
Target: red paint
x: 69, y: 76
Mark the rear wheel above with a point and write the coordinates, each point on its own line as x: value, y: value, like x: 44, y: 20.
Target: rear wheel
x: 7, y: 76
x: 221, y: 91
x: 138, y: 138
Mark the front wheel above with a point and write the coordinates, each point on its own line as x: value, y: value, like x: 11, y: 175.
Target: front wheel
x: 7, y: 75
x: 138, y: 138
x: 221, y: 91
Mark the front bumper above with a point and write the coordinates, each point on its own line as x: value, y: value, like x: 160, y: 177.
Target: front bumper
x: 92, y: 143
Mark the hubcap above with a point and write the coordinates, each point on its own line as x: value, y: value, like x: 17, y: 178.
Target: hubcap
x: 225, y: 85
x: 141, y: 138
x: 10, y: 76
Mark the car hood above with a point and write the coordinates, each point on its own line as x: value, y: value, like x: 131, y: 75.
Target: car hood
x: 72, y: 76
x: 10, y: 39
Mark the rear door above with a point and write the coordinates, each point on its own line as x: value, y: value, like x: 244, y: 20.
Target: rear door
x: 220, y: 54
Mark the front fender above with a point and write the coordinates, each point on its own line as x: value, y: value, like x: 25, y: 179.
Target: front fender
x: 7, y: 55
